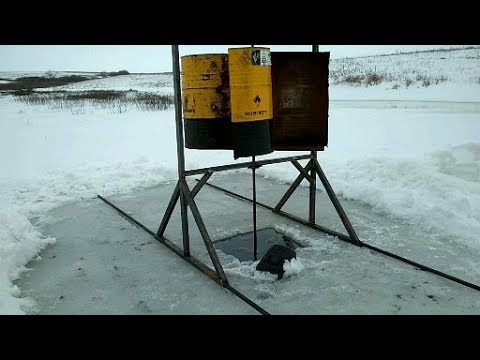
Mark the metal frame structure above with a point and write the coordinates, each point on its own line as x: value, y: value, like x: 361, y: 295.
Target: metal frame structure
x: 187, y: 196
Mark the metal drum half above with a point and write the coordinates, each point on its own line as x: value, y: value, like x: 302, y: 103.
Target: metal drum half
x: 206, y: 101
x: 251, y: 100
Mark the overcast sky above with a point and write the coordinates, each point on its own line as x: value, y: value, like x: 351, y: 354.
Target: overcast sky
x: 149, y: 58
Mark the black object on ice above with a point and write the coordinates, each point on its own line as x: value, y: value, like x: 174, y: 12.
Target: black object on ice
x: 274, y: 259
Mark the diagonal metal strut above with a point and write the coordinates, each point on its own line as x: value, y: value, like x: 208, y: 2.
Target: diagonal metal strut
x: 169, y: 211
x: 203, y: 231
x: 293, y: 187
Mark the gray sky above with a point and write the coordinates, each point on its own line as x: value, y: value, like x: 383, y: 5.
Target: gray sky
x: 150, y: 58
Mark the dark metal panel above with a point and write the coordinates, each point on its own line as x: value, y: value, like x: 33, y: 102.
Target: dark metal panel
x: 300, y: 101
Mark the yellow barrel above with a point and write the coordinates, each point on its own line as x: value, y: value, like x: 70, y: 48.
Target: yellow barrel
x: 206, y: 101
x: 250, y: 100
x: 250, y: 84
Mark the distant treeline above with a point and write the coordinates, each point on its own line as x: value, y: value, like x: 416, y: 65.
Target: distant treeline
x: 105, y: 74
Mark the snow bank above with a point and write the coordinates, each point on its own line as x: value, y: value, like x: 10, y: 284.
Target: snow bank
x: 19, y: 242
x: 416, y: 190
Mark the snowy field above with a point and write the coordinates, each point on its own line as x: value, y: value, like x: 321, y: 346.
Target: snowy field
x: 11, y: 75
x: 157, y: 83
x: 458, y: 66
x: 411, y: 154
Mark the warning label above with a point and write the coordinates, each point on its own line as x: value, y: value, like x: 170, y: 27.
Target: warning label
x: 261, y: 57
x: 252, y: 113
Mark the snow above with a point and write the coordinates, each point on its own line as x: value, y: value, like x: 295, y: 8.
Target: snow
x: 402, y: 97
x: 19, y: 242
x: 16, y: 74
x: 411, y: 154
x: 293, y: 267
x: 458, y: 66
x: 158, y: 83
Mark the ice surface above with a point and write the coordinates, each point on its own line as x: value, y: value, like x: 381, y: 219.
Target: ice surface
x: 113, y: 267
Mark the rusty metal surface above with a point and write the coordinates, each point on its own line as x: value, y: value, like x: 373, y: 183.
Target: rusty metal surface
x: 300, y: 101
x: 206, y: 102
x: 205, y: 86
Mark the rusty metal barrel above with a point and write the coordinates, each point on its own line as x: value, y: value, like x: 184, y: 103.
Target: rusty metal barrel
x: 206, y: 101
x: 250, y: 100
x: 300, y: 101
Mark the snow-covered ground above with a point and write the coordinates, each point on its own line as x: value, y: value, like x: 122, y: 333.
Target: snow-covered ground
x: 157, y: 83
x: 12, y: 75
x: 408, y: 158
x: 458, y: 66
x: 445, y: 92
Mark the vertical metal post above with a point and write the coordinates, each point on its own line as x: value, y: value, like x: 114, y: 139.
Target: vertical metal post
x: 254, y: 189
x: 313, y: 192
x: 180, y: 146
x: 313, y: 184
x: 255, y: 239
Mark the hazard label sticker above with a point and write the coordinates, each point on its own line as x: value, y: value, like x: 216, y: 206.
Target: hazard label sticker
x: 261, y: 57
